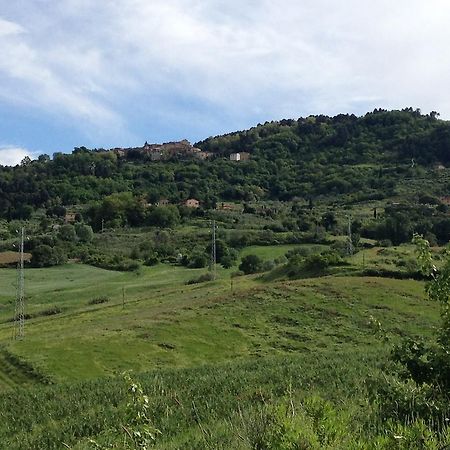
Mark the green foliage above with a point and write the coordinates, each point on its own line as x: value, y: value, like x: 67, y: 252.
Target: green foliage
x: 138, y: 423
x: 164, y: 216
x: 364, y: 157
x: 220, y: 364
x: 46, y: 256
x: 315, y: 263
x: 201, y: 279
x: 420, y: 385
x: 251, y: 264
x: 67, y: 233
x: 99, y: 300
x: 115, y: 262
x: 197, y: 260
x: 84, y: 233
x: 137, y: 431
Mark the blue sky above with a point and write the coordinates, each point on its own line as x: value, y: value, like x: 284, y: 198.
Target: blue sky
x: 120, y: 72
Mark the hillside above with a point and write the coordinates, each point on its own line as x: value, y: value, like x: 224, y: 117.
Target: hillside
x: 204, y: 345
x: 283, y: 306
x: 360, y: 157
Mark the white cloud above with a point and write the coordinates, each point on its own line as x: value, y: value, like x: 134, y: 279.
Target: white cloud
x: 99, y: 63
x: 9, y: 28
x: 11, y: 156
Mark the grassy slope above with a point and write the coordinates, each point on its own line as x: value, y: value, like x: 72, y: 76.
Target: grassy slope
x: 209, y: 352
x: 166, y: 323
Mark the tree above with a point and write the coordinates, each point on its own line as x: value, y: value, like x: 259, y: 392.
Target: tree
x: 329, y: 220
x: 25, y: 161
x: 197, y: 260
x: 84, y: 232
x: 46, y: 256
x: 229, y: 260
x: 67, y: 233
x: 164, y: 216
x: 251, y: 264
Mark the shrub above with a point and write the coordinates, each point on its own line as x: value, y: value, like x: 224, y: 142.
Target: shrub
x: 251, y: 264
x: 111, y: 263
x: 151, y: 259
x: 53, y: 310
x: 67, y: 233
x: 268, y: 265
x: 46, y: 256
x: 84, y: 232
x: 99, y: 300
x: 197, y: 260
x: 201, y: 279
x: 385, y: 243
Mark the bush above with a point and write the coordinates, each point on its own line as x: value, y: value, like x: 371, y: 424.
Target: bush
x: 385, y: 243
x: 268, y: 265
x: 67, y: 233
x: 316, y: 263
x: 111, y: 263
x: 251, y: 264
x: 46, y: 256
x: 229, y: 260
x: 53, y: 310
x: 99, y: 300
x: 201, y: 279
x: 164, y: 216
x: 197, y: 260
x: 151, y: 259
x: 84, y: 232
x: 300, y: 251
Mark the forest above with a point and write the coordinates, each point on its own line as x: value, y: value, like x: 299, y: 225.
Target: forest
x: 318, y: 156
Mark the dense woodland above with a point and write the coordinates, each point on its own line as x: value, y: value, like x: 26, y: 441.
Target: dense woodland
x: 305, y: 158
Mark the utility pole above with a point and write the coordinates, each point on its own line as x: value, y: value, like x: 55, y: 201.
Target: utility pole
x: 349, y: 237
x: 212, y: 262
x: 19, y: 315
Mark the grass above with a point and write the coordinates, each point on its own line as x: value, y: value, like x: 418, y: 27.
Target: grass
x: 214, y: 357
x: 274, y: 251
x: 166, y: 323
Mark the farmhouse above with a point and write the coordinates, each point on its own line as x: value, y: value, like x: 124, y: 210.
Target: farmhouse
x: 192, y: 203
x: 70, y: 217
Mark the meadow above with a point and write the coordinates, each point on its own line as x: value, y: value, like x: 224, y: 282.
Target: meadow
x: 221, y: 361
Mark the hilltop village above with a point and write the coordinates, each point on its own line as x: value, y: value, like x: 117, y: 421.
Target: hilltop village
x: 161, y: 152
x: 182, y: 150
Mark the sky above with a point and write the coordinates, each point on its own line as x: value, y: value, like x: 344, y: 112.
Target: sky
x: 118, y: 73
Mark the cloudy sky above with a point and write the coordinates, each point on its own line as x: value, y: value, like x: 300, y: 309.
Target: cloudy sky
x: 119, y: 72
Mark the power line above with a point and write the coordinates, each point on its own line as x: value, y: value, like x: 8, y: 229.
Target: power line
x: 19, y: 315
x: 212, y: 262
x: 349, y: 237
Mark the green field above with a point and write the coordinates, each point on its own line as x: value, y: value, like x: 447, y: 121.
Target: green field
x: 218, y: 345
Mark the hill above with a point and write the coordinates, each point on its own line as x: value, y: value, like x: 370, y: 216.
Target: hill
x: 360, y: 157
x: 301, y: 325
x: 208, y: 351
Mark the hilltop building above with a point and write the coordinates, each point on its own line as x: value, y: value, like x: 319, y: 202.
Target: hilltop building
x: 163, y: 152
x: 241, y: 156
x: 70, y: 217
x: 192, y: 203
